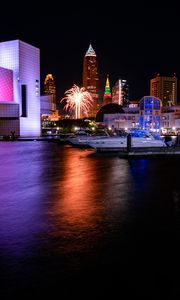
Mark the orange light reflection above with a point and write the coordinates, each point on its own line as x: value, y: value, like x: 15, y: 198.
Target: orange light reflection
x: 78, y: 192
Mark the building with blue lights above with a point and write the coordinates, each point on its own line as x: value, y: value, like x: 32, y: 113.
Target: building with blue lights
x: 21, y: 111
x: 146, y: 116
x: 150, y: 113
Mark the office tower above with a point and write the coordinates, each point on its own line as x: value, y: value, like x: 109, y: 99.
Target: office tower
x: 164, y: 88
x: 91, y: 78
x: 22, y: 97
x: 120, y: 93
x: 50, y: 89
x: 107, y: 93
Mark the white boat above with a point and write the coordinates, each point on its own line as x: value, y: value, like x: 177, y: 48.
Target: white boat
x: 139, y: 138
x: 68, y: 138
x: 84, y: 140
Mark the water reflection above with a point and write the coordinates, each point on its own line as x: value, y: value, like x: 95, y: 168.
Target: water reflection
x: 77, y: 192
x: 22, y: 191
x: 64, y: 212
x: 59, y: 193
x: 89, y: 194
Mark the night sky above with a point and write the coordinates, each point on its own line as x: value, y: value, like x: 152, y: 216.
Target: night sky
x: 134, y: 42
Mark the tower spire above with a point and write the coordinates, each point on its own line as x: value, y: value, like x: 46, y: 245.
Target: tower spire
x: 90, y: 51
x: 107, y: 92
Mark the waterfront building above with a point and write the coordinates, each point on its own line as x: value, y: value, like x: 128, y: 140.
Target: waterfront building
x: 115, y: 116
x: 20, y: 89
x: 170, y: 119
x: 122, y: 121
x: 120, y: 93
x: 91, y: 78
x: 107, y: 93
x: 47, y: 107
x: 147, y: 115
x: 150, y: 113
x: 121, y: 118
x: 164, y: 88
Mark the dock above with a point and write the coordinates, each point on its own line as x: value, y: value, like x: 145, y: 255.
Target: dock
x: 146, y: 152
x: 41, y: 138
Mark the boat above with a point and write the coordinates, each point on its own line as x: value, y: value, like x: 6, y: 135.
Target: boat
x: 84, y: 140
x: 69, y: 137
x: 139, y: 139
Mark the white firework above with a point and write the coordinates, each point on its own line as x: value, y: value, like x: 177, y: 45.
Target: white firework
x: 78, y: 100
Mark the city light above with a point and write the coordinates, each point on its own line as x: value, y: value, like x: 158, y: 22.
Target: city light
x: 78, y: 101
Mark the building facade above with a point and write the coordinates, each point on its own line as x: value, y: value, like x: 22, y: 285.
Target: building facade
x: 145, y: 116
x: 126, y: 120
x: 150, y: 113
x: 170, y: 118
x: 22, y: 102
x: 47, y: 105
x: 164, y: 88
x: 120, y: 93
x: 91, y: 78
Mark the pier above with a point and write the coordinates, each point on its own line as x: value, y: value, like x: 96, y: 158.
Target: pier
x: 145, y: 152
x: 151, y: 152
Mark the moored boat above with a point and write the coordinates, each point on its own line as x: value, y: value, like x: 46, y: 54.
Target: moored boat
x: 139, y: 138
x: 84, y: 140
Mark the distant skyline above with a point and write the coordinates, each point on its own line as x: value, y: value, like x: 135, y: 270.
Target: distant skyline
x: 133, y: 41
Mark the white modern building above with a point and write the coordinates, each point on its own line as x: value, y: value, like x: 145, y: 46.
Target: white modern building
x: 47, y: 105
x: 150, y: 114
x: 23, y: 62
x: 128, y: 119
x: 170, y: 118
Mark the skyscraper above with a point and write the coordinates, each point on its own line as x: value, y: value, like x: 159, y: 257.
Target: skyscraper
x: 107, y: 93
x: 120, y: 92
x: 50, y: 89
x: 91, y: 78
x: 164, y: 88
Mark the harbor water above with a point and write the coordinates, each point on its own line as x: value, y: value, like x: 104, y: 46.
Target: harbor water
x: 77, y: 224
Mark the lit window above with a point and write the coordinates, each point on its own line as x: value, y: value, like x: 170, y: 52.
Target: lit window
x: 37, y: 87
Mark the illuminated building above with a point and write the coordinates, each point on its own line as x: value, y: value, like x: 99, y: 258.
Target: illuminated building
x: 107, y: 93
x: 150, y: 113
x: 46, y: 105
x: 120, y: 93
x: 20, y: 89
x: 116, y: 117
x: 170, y: 119
x: 6, y: 84
x: 164, y: 88
x: 91, y: 78
x: 50, y: 89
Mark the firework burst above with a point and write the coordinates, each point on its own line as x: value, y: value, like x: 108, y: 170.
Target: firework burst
x: 78, y: 101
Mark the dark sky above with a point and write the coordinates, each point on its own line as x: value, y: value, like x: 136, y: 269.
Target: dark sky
x: 131, y: 41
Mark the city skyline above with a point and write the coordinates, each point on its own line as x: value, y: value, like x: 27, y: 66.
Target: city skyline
x: 134, y: 43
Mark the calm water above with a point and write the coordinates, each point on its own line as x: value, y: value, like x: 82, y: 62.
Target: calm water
x: 77, y: 223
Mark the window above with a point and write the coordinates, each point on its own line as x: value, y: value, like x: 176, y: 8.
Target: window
x: 23, y: 100
x: 37, y: 87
